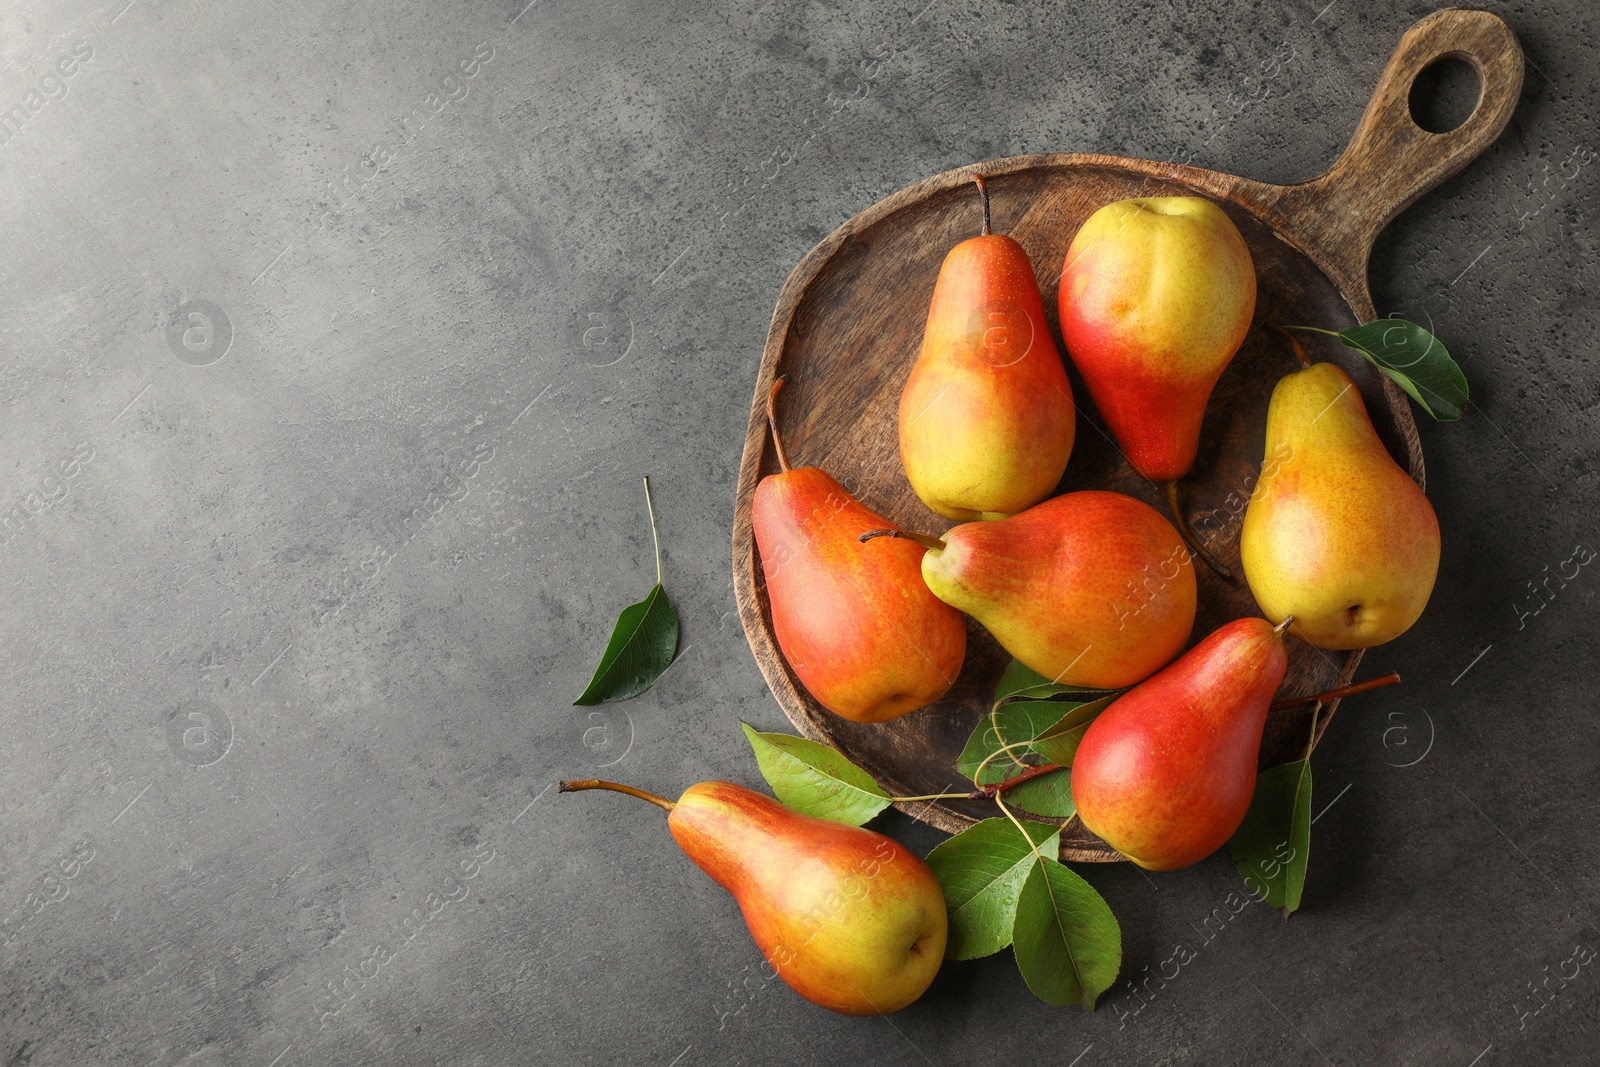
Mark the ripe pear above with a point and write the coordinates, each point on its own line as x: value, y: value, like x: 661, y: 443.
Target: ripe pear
x: 1090, y: 589
x: 1156, y: 296
x: 1336, y: 534
x: 986, y: 418
x: 850, y: 919
x: 856, y: 623
x: 1166, y: 773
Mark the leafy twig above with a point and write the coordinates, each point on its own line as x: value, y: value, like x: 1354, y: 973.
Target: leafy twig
x: 992, y: 791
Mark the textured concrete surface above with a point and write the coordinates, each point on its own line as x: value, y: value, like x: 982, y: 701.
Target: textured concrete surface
x: 336, y: 338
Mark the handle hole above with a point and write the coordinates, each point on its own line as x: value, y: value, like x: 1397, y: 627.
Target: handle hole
x: 1445, y: 94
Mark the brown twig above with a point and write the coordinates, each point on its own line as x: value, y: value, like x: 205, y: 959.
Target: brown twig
x: 1017, y: 779
x: 1320, y: 727
x: 1392, y: 678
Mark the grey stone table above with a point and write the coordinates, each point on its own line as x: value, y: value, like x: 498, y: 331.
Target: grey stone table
x: 336, y: 338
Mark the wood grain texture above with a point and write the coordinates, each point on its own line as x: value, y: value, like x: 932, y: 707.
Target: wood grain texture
x: 848, y: 327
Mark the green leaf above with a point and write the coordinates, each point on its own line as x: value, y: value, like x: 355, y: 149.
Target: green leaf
x: 982, y: 870
x: 1417, y: 362
x: 1273, y: 844
x: 1059, y: 744
x: 1049, y: 795
x: 642, y: 643
x: 813, y: 779
x: 1022, y: 683
x: 1067, y: 943
x: 641, y: 647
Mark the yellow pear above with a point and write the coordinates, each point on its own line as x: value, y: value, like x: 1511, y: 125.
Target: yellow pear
x: 1336, y: 534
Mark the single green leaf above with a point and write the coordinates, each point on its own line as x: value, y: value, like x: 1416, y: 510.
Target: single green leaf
x: 1067, y: 943
x: 642, y: 643
x: 981, y: 870
x: 1417, y: 362
x: 1273, y: 844
x: 813, y: 779
x: 1059, y: 744
x: 1022, y: 683
x: 1049, y: 795
x: 641, y: 647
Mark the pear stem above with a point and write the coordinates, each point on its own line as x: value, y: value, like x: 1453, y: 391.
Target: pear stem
x: 772, y: 423
x: 932, y: 543
x: 1299, y: 349
x: 1392, y: 678
x: 1288, y: 621
x: 983, y: 195
x: 1189, y: 542
x: 595, y: 783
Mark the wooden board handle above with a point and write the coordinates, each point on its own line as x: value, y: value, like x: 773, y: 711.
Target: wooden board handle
x: 1391, y: 161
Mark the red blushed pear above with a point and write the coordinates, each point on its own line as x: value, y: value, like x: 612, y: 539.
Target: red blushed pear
x: 855, y: 622
x: 850, y: 919
x: 1166, y: 773
x: 1090, y: 589
x: 986, y: 417
x: 1156, y: 296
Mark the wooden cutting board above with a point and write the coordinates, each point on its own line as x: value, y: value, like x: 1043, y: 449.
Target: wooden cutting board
x: 849, y: 322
